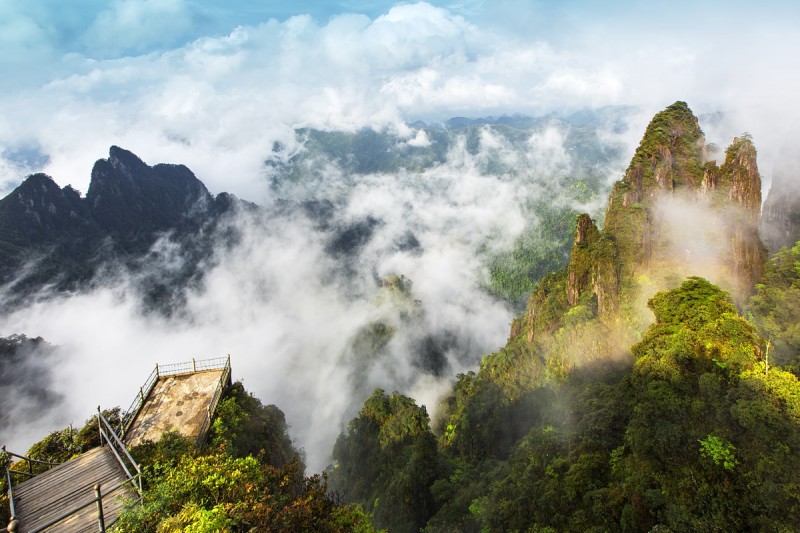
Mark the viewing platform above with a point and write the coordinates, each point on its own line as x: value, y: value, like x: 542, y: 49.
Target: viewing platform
x: 179, y: 397
x: 90, y: 491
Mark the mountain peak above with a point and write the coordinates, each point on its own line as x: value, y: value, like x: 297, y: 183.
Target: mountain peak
x: 39, y: 211
x: 127, y: 195
x: 122, y: 159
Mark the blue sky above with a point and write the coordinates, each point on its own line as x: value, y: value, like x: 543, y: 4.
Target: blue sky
x: 214, y: 83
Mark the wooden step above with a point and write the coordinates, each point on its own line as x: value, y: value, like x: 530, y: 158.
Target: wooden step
x: 69, y: 485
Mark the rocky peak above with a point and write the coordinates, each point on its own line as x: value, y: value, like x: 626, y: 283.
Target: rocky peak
x: 126, y: 162
x: 41, y: 211
x: 592, y: 267
x: 585, y: 230
x: 745, y: 181
x: 669, y: 155
x: 128, y: 207
x: 641, y: 246
x: 128, y: 196
x: 581, y: 265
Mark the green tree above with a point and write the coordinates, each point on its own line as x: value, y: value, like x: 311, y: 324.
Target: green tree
x: 247, y: 427
x: 387, y: 461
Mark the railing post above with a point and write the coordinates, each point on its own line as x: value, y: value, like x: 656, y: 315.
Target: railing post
x: 194, y: 365
x: 156, y: 370
x: 141, y: 394
x: 13, y: 525
x: 11, y: 506
x: 99, y: 499
x: 99, y: 426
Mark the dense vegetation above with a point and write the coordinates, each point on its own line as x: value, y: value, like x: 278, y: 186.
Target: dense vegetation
x: 387, y: 461
x: 591, y: 420
x: 696, y: 435
x: 593, y: 417
x: 775, y: 307
x: 249, y: 477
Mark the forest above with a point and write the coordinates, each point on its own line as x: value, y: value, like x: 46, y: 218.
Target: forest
x: 633, y: 394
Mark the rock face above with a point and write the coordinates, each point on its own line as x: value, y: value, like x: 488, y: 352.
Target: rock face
x: 38, y: 210
x: 670, y: 164
x: 128, y: 206
x: 593, y: 268
x: 128, y: 196
x: 780, y: 216
x: 744, y: 194
x: 672, y: 212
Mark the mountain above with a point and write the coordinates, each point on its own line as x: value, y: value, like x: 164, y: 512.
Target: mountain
x: 595, y: 417
x: 780, y: 219
x: 632, y: 394
x: 52, y: 236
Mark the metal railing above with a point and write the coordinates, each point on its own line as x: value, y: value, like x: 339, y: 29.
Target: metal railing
x: 10, y: 481
x: 10, y: 498
x: 107, y: 437
x: 120, y: 450
x: 224, y: 381
x: 173, y: 369
x: 30, y: 463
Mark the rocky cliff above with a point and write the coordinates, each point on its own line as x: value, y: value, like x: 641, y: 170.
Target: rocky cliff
x: 669, y: 179
x: 780, y: 216
x: 673, y: 214
x: 52, y: 236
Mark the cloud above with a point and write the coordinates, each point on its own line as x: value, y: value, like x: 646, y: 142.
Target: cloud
x: 138, y: 25
x: 214, y: 87
x: 290, y: 309
x: 217, y: 101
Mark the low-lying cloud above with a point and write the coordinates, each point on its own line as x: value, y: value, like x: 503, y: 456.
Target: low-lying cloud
x: 279, y: 301
x: 350, y: 282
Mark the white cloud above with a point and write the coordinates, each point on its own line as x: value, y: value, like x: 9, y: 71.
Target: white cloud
x: 420, y: 139
x: 218, y: 102
x: 287, y: 310
x: 137, y: 25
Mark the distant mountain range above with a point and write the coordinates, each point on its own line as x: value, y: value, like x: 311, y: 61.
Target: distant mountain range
x: 51, y: 236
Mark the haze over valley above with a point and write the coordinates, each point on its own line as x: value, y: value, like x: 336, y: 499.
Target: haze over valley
x: 484, y: 211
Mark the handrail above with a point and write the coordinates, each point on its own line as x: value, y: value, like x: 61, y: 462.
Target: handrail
x: 127, y: 416
x: 212, y: 406
x: 117, y: 444
x: 128, y: 474
x: 118, y: 441
x: 29, y: 473
x: 29, y: 459
x: 10, y: 496
x: 21, y: 473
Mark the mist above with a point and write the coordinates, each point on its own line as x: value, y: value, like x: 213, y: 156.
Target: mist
x: 294, y: 296
x: 343, y: 283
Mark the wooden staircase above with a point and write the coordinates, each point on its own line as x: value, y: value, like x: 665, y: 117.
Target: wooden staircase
x: 86, y: 493
x: 69, y: 486
x: 89, y: 492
